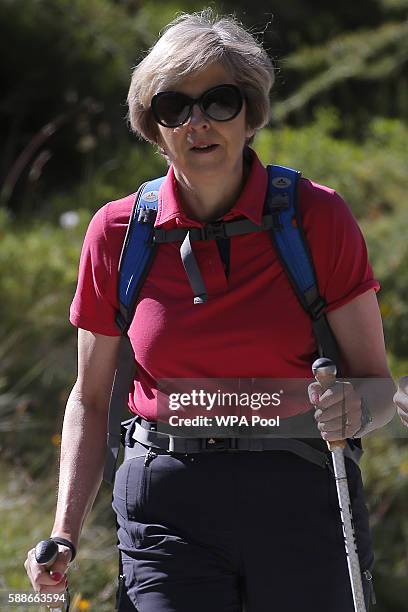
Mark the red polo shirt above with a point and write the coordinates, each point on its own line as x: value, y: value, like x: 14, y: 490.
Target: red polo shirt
x: 252, y: 325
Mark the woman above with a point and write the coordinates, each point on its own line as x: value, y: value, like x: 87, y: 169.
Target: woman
x: 218, y: 530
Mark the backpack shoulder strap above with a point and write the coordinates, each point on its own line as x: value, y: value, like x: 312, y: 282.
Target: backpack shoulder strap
x: 291, y: 246
x: 136, y: 258
x: 138, y: 251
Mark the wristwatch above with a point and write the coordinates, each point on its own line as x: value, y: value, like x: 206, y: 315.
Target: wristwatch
x: 366, y: 419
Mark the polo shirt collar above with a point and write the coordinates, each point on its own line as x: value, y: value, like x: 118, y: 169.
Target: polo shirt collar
x: 250, y: 203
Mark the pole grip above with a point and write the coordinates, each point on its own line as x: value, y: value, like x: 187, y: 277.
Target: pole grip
x: 46, y: 552
x: 324, y: 371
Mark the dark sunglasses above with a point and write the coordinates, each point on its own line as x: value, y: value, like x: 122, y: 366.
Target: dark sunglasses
x: 221, y: 103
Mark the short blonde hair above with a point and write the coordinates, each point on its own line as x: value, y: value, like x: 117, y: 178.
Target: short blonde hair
x: 190, y: 43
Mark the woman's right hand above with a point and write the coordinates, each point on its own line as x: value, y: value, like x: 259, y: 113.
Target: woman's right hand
x: 51, y: 579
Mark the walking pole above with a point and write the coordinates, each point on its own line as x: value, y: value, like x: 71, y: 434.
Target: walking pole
x: 46, y: 552
x: 324, y: 370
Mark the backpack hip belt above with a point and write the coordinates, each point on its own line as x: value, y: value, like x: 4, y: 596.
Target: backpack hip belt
x: 144, y: 432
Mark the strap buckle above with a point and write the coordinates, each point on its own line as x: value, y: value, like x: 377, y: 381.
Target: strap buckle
x: 212, y: 231
x: 159, y: 234
x: 146, y: 215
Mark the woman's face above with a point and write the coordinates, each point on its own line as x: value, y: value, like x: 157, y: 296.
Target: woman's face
x: 182, y: 144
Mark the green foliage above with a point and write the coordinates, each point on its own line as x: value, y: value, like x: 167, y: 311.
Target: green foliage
x: 370, y: 175
x: 38, y: 274
x: 385, y: 469
x: 78, y: 90
x: 366, y: 55
x: 394, y: 6
x: 27, y: 516
x: 395, y: 290
x: 120, y: 174
x: 91, y: 42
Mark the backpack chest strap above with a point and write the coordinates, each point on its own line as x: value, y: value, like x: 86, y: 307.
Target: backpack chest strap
x: 213, y: 231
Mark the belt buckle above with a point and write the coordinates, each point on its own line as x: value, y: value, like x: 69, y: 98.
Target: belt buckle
x: 217, y: 444
x: 214, y: 444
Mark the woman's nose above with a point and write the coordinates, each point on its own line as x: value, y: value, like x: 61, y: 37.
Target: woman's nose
x: 198, y: 118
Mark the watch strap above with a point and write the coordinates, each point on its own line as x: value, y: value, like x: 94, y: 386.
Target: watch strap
x: 67, y: 543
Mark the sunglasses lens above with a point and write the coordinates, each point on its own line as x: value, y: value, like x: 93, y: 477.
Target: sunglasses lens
x: 170, y: 109
x: 222, y: 103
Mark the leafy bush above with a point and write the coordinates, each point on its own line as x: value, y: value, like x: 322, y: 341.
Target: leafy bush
x: 38, y: 273
x: 370, y: 175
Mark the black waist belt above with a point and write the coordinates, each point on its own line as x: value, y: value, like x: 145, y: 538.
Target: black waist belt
x: 145, y: 432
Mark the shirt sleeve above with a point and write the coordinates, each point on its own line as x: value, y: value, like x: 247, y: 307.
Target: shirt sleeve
x: 338, y: 248
x: 95, y: 301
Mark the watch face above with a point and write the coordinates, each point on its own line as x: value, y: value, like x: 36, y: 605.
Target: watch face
x: 366, y: 417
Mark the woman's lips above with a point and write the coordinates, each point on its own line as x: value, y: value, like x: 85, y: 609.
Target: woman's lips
x: 204, y: 149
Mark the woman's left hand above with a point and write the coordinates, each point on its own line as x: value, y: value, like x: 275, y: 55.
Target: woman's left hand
x: 338, y: 410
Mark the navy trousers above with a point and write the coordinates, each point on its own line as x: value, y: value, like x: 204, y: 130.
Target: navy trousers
x: 233, y: 532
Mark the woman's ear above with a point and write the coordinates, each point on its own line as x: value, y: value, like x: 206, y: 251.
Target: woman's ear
x: 250, y: 133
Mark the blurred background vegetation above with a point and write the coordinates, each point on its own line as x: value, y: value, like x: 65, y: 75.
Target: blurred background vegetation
x: 340, y: 106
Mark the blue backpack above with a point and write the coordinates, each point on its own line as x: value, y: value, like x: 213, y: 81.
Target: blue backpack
x: 281, y: 218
